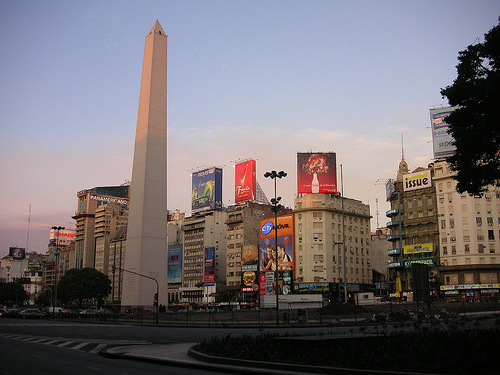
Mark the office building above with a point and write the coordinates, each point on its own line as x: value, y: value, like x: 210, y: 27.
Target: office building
x: 469, y: 231
x: 321, y: 221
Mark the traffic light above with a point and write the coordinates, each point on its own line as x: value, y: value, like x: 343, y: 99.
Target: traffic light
x: 155, y: 299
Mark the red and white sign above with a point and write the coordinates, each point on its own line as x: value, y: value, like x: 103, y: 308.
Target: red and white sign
x: 245, y: 181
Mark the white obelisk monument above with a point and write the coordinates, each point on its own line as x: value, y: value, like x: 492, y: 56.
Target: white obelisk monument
x: 146, y: 251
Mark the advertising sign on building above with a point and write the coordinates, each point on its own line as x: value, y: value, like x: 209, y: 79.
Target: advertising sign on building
x: 63, y: 236
x: 245, y: 182
x: 418, y: 248
x: 428, y: 261
x: 174, y: 267
x: 262, y: 284
x: 249, y: 268
x: 285, y: 228
x: 316, y: 173
x: 442, y: 141
x: 418, y: 180
x: 209, y: 266
x: 389, y: 189
x: 206, y: 191
x: 17, y: 253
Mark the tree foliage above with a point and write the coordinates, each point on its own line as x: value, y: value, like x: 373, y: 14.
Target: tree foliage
x: 12, y: 293
x: 79, y: 285
x: 475, y: 124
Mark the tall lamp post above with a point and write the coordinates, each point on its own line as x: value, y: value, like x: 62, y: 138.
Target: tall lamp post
x: 56, y: 255
x: 276, y: 206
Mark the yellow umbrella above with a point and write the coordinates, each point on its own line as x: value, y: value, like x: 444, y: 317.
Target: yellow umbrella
x: 399, y: 293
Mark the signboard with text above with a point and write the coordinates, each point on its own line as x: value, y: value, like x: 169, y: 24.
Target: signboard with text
x: 316, y: 173
x: 245, y: 181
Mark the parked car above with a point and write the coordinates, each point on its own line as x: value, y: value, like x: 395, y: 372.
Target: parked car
x: 11, y: 313
x: 68, y: 313
x: 32, y: 313
x: 87, y: 312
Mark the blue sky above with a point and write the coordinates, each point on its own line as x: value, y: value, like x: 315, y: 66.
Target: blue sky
x: 246, y: 79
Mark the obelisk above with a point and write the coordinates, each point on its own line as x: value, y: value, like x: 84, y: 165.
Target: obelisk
x: 146, y: 247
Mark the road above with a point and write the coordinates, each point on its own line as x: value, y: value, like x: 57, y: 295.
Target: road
x: 61, y: 347
x: 58, y: 347
x: 48, y: 347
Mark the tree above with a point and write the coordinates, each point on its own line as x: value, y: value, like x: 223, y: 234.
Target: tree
x: 12, y: 293
x: 83, y: 284
x: 475, y: 124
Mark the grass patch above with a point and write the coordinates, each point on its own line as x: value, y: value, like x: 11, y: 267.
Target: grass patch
x: 445, y: 352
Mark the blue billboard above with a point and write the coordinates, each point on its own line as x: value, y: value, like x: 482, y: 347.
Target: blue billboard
x: 174, y: 267
x: 206, y: 193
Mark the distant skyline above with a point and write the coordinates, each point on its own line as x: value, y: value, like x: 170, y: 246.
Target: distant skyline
x: 259, y: 79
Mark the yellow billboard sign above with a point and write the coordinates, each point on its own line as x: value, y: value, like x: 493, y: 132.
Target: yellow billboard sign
x: 418, y: 248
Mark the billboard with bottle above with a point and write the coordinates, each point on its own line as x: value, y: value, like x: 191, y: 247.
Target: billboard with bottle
x: 316, y: 173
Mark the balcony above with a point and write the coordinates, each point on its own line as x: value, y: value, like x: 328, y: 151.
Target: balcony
x: 394, y: 265
x: 394, y: 237
x: 393, y: 212
x: 395, y: 251
x: 393, y: 223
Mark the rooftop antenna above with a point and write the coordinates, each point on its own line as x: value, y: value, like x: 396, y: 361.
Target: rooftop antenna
x: 402, y: 148
x: 28, y: 234
x: 376, y: 212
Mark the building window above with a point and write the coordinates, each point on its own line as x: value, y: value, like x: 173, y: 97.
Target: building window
x: 452, y: 223
x: 480, y: 248
x: 445, y: 250
x: 490, y: 221
x: 491, y: 235
x: 453, y: 250
x: 479, y: 221
x: 467, y: 249
x: 443, y: 224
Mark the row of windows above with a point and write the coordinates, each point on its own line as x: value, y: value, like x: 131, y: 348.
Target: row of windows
x: 466, y: 236
x: 318, y: 215
x: 465, y: 221
x: 353, y: 270
x: 480, y: 249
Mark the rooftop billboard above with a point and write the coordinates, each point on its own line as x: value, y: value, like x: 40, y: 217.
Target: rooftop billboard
x: 17, y: 253
x: 316, y: 172
x: 442, y: 141
x: 206, y: 193
x: 418, y: 180
x: 245, y: 182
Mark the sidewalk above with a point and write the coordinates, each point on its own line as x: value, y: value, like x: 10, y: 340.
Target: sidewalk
x: 180, y: 354
x: 176, y: 354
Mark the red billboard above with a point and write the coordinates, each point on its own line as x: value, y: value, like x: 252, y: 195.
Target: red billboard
x: 245, y: 181
x: 316, y: 172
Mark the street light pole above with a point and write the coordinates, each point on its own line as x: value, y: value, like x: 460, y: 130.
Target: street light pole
x: 56, y: 256
x: 276, y: 206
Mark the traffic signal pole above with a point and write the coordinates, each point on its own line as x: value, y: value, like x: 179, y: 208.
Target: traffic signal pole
x: 155, y: 297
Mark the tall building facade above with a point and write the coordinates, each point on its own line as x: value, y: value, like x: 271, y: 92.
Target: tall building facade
x: 116, y: 198
x: 204, y: 256
x: 116, y: 262
x: 414, y: 234
x: 242, y: 230
x: 109, y: 219
x: 469, y: 231
x: 320, y: 226
x: 147, y: 225
x: 380, y: 259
